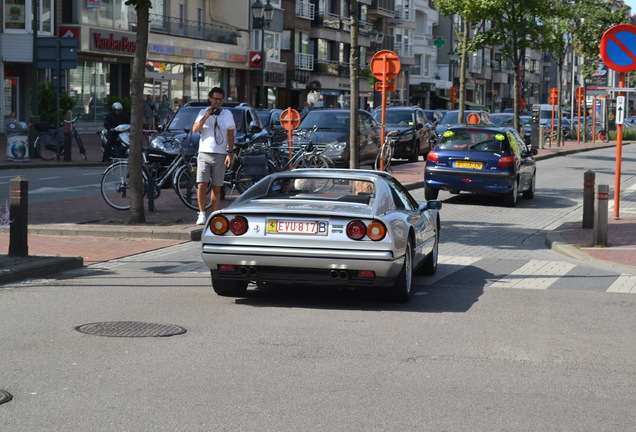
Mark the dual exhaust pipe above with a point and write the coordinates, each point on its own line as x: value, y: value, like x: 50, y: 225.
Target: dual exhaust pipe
x: 247, y: 271
x: 339, y: 275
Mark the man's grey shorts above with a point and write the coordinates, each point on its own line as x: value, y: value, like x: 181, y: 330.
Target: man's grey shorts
x: 211, y: 168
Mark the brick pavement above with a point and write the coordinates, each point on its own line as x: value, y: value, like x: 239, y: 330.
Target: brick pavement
x: 80, y: 224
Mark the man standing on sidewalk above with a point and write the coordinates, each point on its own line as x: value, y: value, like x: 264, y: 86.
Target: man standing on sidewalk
x: 216, y: 149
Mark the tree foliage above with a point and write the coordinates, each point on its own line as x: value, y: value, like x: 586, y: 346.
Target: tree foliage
x: 47, y: 103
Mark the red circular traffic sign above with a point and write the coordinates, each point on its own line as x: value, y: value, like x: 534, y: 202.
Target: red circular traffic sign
x: 618, y: 48
x: 290, y: 119
x: 385, y: 65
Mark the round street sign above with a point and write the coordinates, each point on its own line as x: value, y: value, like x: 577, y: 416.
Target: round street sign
x: 290, y: 119
x: 385, y: 65
x: 618, y: 48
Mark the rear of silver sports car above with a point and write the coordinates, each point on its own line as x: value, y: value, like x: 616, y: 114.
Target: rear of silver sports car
x: 301, y: 249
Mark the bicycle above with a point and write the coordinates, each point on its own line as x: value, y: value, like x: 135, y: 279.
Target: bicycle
x: 239, y: 176
x: 603, y: 135
x: 50, y: 143
x: 306, y: 155
x: 385, y: 155
x: 181, y: 172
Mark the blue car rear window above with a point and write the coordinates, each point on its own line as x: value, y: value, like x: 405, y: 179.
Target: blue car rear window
x: 473, y: 140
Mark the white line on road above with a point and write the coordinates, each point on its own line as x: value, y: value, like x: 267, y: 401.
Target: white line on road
x: 624, y: 284
x: 535, y: 274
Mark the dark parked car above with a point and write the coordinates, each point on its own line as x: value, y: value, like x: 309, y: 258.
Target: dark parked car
x: 270, y: 118
x: 415, y: 133
x: 248, y: 127
x: 452, y: 118
x: 484, y: 159
x: 332, y: 134
x: 508, y: 119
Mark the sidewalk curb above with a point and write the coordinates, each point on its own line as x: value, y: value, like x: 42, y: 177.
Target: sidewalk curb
x: 172, y: 232
x: 44, y: 266
x: 555, y: 241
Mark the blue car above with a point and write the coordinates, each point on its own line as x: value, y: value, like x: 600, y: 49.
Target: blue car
x: 482, y: 159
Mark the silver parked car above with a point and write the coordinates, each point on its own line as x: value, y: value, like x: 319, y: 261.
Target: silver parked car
x: 352, y: 228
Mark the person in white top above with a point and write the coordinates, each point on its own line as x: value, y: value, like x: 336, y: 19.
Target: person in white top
x: 216, y: 149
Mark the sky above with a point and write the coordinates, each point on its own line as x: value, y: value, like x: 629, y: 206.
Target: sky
x: 631, y: 4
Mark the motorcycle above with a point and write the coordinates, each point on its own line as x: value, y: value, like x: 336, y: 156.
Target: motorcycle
x: 121, y: 145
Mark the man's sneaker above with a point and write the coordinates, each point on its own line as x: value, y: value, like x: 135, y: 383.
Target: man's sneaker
x: 201, y: 218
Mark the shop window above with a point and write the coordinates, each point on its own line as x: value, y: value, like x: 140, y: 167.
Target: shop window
x: 18, y: 13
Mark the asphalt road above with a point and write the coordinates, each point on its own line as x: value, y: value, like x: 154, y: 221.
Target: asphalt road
x: 508, y: 336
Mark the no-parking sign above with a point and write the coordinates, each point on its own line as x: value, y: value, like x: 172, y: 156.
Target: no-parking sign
x: 618, y: 48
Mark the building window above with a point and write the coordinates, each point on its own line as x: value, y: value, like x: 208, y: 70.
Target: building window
x: 18, y: 13
x: 416, y: 69
x: 272, y: 46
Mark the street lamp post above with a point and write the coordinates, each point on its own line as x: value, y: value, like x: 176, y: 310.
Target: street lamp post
x: 263, y: 16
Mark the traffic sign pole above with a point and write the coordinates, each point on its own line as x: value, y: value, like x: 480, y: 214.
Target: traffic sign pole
x: 619, y: 154
x: 290, y: 119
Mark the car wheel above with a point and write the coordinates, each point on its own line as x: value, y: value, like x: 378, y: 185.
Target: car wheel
x: 401, y: 289
x: 430, y: 193
x: 529, y: 194
x: 510, y: 197
x: 429, y: 267
x: 416, y: 153
x: 229, y: 288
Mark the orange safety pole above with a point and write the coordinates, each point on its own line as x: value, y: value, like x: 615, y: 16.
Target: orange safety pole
x: 578, y: 128
x: 383, y: 129
x: 619, y: 155
x: 552, y: 129
x: 594, y: 120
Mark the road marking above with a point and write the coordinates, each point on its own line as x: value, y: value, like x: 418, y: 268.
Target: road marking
x: 535, y: 274
x: 625, y: 284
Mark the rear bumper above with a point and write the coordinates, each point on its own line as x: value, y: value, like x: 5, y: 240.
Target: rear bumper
x: 302, y: 266
x: 469, y: 180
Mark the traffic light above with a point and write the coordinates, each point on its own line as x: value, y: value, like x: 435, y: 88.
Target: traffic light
x: 554, y: 96
x: 453, y: 95
x: 198, y: 72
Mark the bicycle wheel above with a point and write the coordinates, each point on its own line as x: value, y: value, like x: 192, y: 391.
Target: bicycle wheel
x: 603, y: 135
x: 383, y: 159
x: 80, y: 144
x: 313, y: 160
x: 46, y: 146
x: 115, y: 185
x: 185, y: 185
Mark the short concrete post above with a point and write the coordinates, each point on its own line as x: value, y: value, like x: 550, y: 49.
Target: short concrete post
x: 541, y: 137
x: 600, y: 219
x: 589, y: 181
x: 19, y: 215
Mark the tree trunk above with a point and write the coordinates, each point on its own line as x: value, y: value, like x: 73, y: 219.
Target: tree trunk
x: 462, y: 71
x: 137, y: 214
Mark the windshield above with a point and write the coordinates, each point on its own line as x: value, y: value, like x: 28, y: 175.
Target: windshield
x: 326, y: 119
x: 395, y: 118
x: 502, y: 120
x: 473, y: 139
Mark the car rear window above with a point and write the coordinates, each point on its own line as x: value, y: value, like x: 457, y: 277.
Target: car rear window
x: 473, y: 139
x: 321, y: 188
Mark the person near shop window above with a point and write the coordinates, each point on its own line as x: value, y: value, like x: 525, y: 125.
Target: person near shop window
x: 216, y: 149
x: 113, y: 119
x: 164, y: 111
x: 149, y: 113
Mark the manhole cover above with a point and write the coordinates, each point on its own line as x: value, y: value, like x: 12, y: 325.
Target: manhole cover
x: 5, y: 397
x: 130, y: 329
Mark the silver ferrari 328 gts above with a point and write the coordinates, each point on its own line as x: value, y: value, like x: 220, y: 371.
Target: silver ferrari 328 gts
x: 325, y: 227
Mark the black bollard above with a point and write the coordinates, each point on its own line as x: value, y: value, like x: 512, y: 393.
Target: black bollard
x: 67, y: 146
x: 589, y: 181
x: 599, y: 235
x: 19, y: 216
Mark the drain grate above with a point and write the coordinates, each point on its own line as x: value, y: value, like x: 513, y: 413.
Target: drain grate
x: 5, y: 397
x: 130, y: 329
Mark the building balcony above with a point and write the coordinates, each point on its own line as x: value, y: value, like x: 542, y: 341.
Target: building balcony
x: 331, y: 67
x: 382, y: 8
x: 193, y: 29
x: 304, y: 61
x: 305, y: 10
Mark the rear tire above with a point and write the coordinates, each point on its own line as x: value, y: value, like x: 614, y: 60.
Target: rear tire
x: 402, y: 287
x: 430, y: 194
x: 416, y: 153
x: 529, y: 194
x: 115, y: 186
x: 510, y: 197
x: 229, y: 288
x: 429, y: 267
x: 185, y: 185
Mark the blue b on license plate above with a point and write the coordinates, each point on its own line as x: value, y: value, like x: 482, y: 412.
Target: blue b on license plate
x: 288, y: 226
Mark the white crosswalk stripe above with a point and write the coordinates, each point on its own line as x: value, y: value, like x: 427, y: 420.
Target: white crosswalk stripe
x: 624, y: 284
x: 534, y: 275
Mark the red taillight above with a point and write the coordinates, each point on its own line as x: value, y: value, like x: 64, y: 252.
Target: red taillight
x: 366, y: 273
x: 506, y: 161
x: 227, y: 268
x: 219, y: 225
x: 356, y: 230
x: 432, y: 156
x: 238, y: 225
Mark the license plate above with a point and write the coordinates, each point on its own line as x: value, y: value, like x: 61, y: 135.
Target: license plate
x: 287, y: 226
x: 468, y: 164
